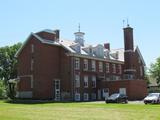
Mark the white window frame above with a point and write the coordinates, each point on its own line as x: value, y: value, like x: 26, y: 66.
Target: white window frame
x: 119, y: 69
x: 100, y: 66
x: 93, y: 65
x: 122, y: 91
x: 113, y: 68
x: 85, y: 81
x: 90, y: 51
x: 107, y: 68
x: 93, y: 81
x: 77, y: 63
x: 77, y: 81
x: 85, y: 64
x: 85, y: 96
x: 77, y: 97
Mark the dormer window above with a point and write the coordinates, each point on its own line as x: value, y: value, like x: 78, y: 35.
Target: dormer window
x: 90, y: 51
x: 99, y: 51
x: 77, y: 48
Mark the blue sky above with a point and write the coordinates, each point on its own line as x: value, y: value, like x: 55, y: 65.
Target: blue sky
x: 101, y: 20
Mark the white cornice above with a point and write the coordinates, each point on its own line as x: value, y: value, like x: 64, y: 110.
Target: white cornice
x: 94, y: 58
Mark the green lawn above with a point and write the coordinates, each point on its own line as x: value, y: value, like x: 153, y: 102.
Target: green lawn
x: 78, y: 111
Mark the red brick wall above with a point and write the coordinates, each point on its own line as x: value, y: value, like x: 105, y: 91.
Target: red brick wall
x: 135, y: 89
x: 25, y: 84
x: 47, y: 36
x: 24, y: 66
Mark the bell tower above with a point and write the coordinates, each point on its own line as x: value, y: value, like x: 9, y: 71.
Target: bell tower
x: 129, y: 68
x: 79, y: 36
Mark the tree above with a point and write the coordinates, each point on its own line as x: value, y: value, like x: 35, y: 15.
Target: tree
x: 155, y: 70
x: 2, y: 89
x: 8, y: 63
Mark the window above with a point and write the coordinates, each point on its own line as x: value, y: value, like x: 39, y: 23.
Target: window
x: 85, y: 96
x: 115, y: 77
x: 85, y: 64
x: 32, y: 63
x: 113, y: 68
x: 85, y: 81
x: 77, y: 63
x: 32, y: 48
x: 77, y: 81
x: 93, y: 65
x: 77, y: 90
x: 122, y: 91
x: 93, y: 81
x: 107, y: 67
x: 100, y: 67
x: 93, y: 96
x: 119, y: 69
x: 77, y: 97
x: 78, y: 49
x: 90, y: 51
x: 129, y: 76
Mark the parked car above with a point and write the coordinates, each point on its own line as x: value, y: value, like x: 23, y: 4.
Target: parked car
x: 152, y: 98
x: 117, y: 98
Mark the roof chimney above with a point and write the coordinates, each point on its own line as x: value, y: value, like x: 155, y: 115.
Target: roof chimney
x: 107, y: 46
x: 57, y: 34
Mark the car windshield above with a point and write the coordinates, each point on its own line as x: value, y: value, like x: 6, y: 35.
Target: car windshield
x: 114, y: 96
x: 153, y: 95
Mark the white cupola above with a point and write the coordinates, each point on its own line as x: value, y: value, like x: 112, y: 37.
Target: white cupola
x: 79, y: 37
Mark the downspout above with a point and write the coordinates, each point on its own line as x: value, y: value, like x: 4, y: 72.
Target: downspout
x: 73, y: 74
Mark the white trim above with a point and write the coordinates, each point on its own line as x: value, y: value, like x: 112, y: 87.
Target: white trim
x: 129, y: 70
x: 137, y: 48
x: 38, y: 38
x: 94, y: 58
x: 129, y: 50
x: 20, y: 49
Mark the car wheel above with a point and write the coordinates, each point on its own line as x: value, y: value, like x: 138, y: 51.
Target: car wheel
x: 126, y: 101
x: 145, y: 103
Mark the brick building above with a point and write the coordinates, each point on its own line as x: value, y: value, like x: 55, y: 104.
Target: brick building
x: 53, y: 68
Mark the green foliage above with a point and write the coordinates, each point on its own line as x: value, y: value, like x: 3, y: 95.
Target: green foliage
x: 2, y: 89
x: 8, y: 63
x: 155, y: 70
x: 146, y: 77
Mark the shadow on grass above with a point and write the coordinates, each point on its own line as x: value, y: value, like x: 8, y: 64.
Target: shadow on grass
x: 28, y: 101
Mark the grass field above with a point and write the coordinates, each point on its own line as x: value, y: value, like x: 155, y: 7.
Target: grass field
x: 78, y: 111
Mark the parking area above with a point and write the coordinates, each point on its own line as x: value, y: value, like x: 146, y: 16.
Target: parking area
x: 129, y: 102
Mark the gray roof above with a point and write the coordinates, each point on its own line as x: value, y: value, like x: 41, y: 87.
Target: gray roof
x: 113, y: 54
